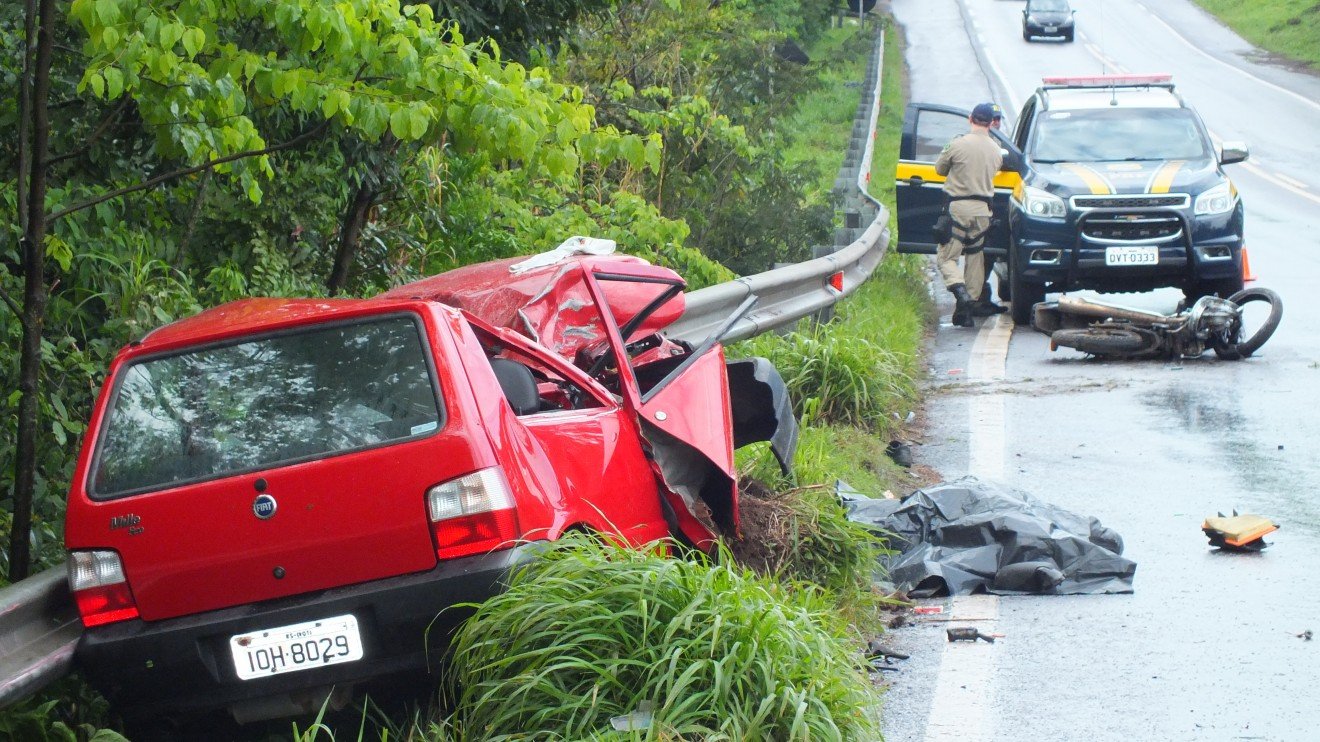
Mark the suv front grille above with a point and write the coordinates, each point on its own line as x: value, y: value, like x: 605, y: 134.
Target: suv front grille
x: 1136, y: 201
x: 1134, y: 227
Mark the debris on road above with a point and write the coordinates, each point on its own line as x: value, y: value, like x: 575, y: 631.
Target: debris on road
x: 1305, y: 635
x: 967, y: 634
x: 900, y: 452
x: 970, y: 536
x: 927, y: 609
x: 1238, y: 532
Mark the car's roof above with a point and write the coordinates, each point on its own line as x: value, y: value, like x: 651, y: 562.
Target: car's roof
x: 1072, y: 99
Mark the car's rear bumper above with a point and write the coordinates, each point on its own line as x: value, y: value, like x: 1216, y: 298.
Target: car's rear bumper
x: 184, y: 665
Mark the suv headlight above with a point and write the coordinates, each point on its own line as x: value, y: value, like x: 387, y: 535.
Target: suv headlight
x: 1040, y: 203
x: 1217, y: 200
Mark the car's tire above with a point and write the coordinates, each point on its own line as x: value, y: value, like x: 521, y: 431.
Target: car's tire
x: 1024, y: 293
x: 1026, y: 36
x: 1101, y: 340
x: 1245, y: 347
x: 1068, y: 37
x: 1003, y: 286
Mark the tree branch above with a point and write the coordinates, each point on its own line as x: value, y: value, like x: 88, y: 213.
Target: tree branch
x: 9, y: 302
x: 95, y: 135
x: 189, y: 171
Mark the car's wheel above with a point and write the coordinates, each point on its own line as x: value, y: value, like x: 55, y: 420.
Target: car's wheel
x: 1003, y: 287
x: 1101, y: 340
x: 1024, y: 293
x: 1068, y: 37
x: 1026, y: 35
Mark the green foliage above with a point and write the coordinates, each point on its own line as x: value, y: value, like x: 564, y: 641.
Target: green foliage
x: 68, y: 711
x: 706, y: 80
x: 840, y: 373
x: 588, y: 632
x: 1288, y: 27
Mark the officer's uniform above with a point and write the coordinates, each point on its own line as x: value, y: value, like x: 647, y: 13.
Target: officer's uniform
x: 970, y: 163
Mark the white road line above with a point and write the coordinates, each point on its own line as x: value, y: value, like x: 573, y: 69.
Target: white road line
x: 1238, y: 70
x: 1290, y: 181
x: 962, y: 705
x: 1280, y: 181
x: 985, y: 438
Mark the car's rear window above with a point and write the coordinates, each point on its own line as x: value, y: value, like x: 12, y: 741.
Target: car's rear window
x: 226, y: 409
x: 1115, y: 134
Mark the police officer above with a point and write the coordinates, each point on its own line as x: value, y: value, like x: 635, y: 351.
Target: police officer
x: 969, y: 164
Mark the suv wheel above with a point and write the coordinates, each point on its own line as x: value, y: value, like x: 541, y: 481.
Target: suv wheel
x: 1025, y: 294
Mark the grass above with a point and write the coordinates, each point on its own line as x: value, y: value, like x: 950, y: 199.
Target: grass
x: 1287, y: 27
x: 590, y: 635
x: 816, y: 132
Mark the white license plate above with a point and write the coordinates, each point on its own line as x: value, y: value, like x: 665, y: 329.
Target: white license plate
x: 299, y: 646
x: 1132, y: 256
x: 1051, y: 29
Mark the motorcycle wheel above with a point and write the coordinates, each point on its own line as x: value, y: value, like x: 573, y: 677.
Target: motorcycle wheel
x: 1101, y: 341
x: 1244, y: 348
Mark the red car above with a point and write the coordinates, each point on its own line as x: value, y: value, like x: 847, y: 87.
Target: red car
x: 278, y: 497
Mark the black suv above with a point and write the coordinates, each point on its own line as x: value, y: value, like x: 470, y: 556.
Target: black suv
x: 1115, y: 186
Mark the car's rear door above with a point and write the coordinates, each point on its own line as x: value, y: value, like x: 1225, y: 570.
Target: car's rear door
x: 274, y: 465
x: 919, y: 190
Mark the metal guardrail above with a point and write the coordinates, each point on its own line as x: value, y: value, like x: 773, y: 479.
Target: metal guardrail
x: 788, y: 294
x: 39, y: 625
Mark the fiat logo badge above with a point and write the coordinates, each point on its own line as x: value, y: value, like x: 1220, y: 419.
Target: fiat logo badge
x: 264, y: 507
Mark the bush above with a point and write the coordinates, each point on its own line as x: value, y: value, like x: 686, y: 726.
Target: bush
x: 589, y: 632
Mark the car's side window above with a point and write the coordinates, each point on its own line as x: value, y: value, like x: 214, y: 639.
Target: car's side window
x: 1024, y: 125
x: 934, y: 130
x: 530, y: 385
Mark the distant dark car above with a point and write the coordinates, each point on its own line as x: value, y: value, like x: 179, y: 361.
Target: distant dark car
x: 1053, y: 18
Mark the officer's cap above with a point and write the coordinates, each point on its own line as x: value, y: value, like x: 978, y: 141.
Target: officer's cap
x: 986, y: 113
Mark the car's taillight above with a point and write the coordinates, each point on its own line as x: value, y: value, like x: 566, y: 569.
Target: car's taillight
x: 472, y: 514
x: 96, y: 579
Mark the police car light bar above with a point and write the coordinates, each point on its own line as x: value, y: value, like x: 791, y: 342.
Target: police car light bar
x: 1109, y: 81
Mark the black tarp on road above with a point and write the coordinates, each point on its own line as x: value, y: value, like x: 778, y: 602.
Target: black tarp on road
x: 970, y: 536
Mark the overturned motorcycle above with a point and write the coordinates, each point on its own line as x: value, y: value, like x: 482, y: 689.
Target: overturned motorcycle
x: 1114, y: 331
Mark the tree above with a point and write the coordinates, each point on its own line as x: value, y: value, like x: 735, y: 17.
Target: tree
x: 221, y: 87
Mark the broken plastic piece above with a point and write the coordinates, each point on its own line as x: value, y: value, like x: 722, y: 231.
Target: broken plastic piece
x: 1238, y: 532
x: 639, y: 719
x: 566, y: 249
x: 928, y: 609
x: 967, y: 634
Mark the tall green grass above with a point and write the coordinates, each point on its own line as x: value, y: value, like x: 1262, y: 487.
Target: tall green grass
x: 1287, y: 27
x: 591, y: 632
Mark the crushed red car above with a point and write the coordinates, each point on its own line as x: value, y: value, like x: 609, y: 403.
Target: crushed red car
x: 278, y: 497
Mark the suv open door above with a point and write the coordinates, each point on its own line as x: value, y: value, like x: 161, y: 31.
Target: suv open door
x: 919, y: 191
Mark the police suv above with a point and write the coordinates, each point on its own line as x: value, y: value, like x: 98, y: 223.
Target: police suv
x: 1111, y: 183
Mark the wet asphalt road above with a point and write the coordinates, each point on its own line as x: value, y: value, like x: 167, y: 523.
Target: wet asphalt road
x: 1207, y: 647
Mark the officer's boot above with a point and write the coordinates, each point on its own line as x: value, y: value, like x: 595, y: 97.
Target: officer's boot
x: 962, y: 307
x: 983, y: 307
